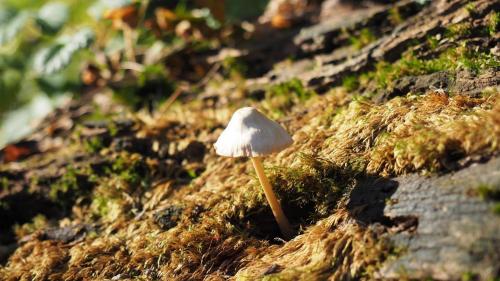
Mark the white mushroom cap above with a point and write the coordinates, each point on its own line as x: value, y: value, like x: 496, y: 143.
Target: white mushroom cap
x: 251, y: 134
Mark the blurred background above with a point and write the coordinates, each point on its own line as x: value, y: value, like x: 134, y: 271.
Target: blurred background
x: 53, y: 50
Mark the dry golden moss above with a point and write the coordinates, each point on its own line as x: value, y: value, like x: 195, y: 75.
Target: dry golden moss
x: 36, y: 260
x: 436, y: 137
x: 415, y: 133
x: 212, y: 244
x: 336, y: 248
x: 216, y: 236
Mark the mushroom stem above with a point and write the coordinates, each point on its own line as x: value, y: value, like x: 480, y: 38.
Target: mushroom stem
x: 283, y: 223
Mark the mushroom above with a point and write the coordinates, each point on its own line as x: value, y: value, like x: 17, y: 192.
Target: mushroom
x: 251, y: 134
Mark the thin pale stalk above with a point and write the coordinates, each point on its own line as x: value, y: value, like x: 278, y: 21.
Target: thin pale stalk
x: 283, y: 223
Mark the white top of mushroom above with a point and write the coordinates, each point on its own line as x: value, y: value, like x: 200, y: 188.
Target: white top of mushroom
x: 251, y: 134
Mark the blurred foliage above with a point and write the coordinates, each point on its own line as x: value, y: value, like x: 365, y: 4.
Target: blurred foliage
x: 38, y: 39
x: 138, y: 49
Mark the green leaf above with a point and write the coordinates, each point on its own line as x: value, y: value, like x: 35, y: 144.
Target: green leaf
x: 55, y: 84
x: 11, y: 22
x: 52, y: 17
x: 56, y: 57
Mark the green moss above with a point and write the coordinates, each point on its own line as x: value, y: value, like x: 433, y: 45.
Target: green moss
x: 496, y: 208
x: 292, y: 87
x: 469, y: 276
x: 125, y: 177
x: 93, y: 145
x: 458, y: 30
x: 395, y: 16
x: 192, y: 173
x: 74, y: 183
x: 234, y: 67
x: 38, y: 222
x: 471, y: 8
x: 280, y: 98
x: 4, y: 184
x: 488, y: 192
x: 101, y: 206
x: 68, y: 182
x: 97, y: 114
x: 350, y: 83
x: 131, y: 170
x: 385, y: 73
x: 364, y: 38
x: 433, y: 42
x: 314, y: 186
x: 113, y: 129
x: 493, y: 23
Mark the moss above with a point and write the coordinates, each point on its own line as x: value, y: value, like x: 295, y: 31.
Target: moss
x: 72, y: 185
x: 192, y: 173
x: 493, y: 23
x: 414, y: 133
x: 97, y: 114
x: 107, y: 208
x: 280, y: 98
x: 34, y: 181
x: 385, y: 73
x: 130, y: 169
x: 395, y: 16
x: 273, y: 277
x: 469, y: 276
x: 113, y: 129
x: 234, y: 67
x: 350, y: 83
x: 292, y: 87
x: 364, y: 38
x: 433, y: 42
x: 93, y: 145
x: 496, y: 208
x: 126, y: 177
x: 471, y: 8
x: 312, y: 188
x: 4, y: 184
x: 68, y: 183
x: 458, y: 30
x: 488, y: 192
x: 38, y: 222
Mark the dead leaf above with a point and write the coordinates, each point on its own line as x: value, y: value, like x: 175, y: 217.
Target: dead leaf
x: 13, y: 153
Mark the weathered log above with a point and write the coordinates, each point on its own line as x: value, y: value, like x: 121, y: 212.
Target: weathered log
x: 440, y: 225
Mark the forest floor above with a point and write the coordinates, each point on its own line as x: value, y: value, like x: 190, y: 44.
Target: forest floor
x: 394, y: 172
